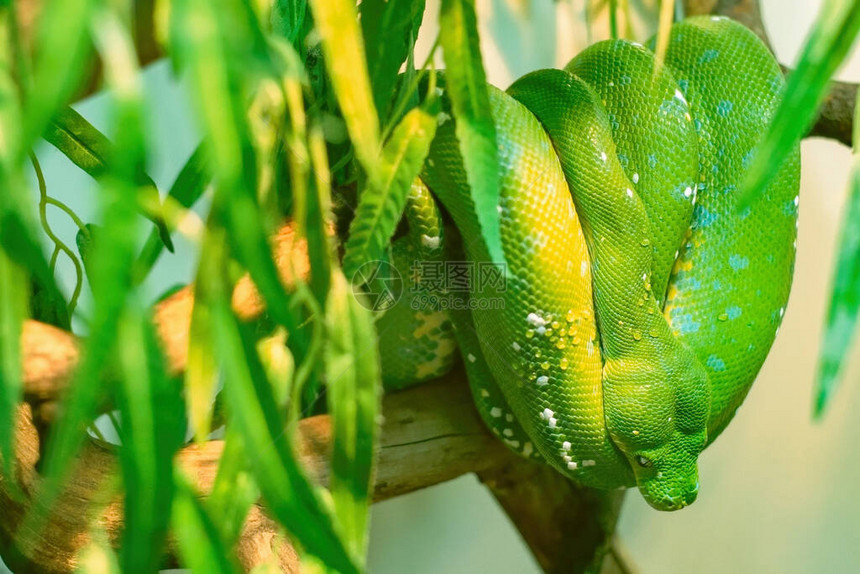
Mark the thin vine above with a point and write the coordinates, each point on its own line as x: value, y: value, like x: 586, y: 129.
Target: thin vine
x: 59, y: 245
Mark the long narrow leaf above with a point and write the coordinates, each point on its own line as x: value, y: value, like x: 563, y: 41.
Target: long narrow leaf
x: 153, y: 428
x: 60, y: 62
x: 91, y: 150
x: 200, y: 543
x: 235, y: 490
x: 97, y: 556
x: 352, y: 364
x: 343, y: 48
x: 112, y: 257
x: 841, y: 327
x: 187, y: 188
x: 467, y: 87
x: 201, y: 371
x: 13, y: 310
x: 19, y: 232
x: 832, y: 36
x: 389, y: 30
x: 287, y: 491
x: 209, y: 50
x: 382, y: 203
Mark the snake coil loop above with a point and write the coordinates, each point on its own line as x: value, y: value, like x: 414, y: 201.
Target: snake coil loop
x: 639, y: 304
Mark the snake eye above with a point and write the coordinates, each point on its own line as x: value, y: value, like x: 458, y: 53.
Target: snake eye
x: 643, y: 461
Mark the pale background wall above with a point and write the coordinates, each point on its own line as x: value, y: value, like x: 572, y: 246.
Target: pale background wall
x: 778, y: 493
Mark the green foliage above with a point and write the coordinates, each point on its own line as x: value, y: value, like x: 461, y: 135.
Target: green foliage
x: 90, y: 150
x: 389, y: 30
x: 841, y: 324
x: 13, y: 309
x: 269, y: 109
x: 199, y: 541
x: 832, y: 36
x: 352, y: 363
x: 466, y: 86
x: 383, y: 201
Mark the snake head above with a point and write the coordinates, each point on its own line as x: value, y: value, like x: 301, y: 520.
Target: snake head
x: 668, y: 476
x: 658, y: 419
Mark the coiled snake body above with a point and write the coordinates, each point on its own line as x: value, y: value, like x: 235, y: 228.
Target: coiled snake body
x: 639, y: 303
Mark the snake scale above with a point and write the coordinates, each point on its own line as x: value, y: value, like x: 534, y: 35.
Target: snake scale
x: 639, y: 303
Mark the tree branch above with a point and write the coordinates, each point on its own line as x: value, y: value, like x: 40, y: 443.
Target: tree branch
x: 435, y: 424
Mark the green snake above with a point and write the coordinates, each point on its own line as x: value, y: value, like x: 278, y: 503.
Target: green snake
x: 639, y: 302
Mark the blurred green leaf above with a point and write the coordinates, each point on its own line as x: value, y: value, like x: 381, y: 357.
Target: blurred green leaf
x: 209, y: 43
x: 382, y: 202
x: 832, y: 36
x: 60, y: 62
x: 111, y: 260
x: 19, y: 233
x: 86, y: 239
x: 288, y: 19
x: 389, y: 30
x: 153, y: 429
x: 470, y: 100
x: 201, y: 370
x: 314, y: 218
x: 841, y: 323
x: 354, y: 383
x: 234, y: 491
x: 197, y: 535
x: 840, y: 328
x: 91, y: 150
x: 13, y: 311
x: 287, y: 491
x: 613, y: 19
x: 97, y: 556
x: 343, y: 48
x: 187, y: 188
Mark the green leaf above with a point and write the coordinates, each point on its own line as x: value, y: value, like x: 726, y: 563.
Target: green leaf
x: 91, y: 151
x: 343, y: 49
x: 389, y: 30
x: 312, y: 213
x: 235, y: 490
x: 354, y: 382
x: 13, y: 311
x: 208, y: 43
x: 153, y: 429
x: 287, y: 491
x: 288, y: 19
x: 60, y: 62
x: 197, y: 535
x: 19, y: 232
x: 97, y: 556
x: 112, y: 258
x: 201, y: 369
x: 841, y: 327
x: 86, y: 239
x: 832, y: 36
x: 382, y: 202
x: 470, y: 100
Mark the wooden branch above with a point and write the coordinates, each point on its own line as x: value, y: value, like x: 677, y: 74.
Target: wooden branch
x: 431, y: 434
x: 569, y: 528
x: 435, y: 424
x: 836, y: 116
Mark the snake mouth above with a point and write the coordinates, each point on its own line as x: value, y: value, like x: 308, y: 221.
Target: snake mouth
x: 669, y: 503
x: 669, y: 496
